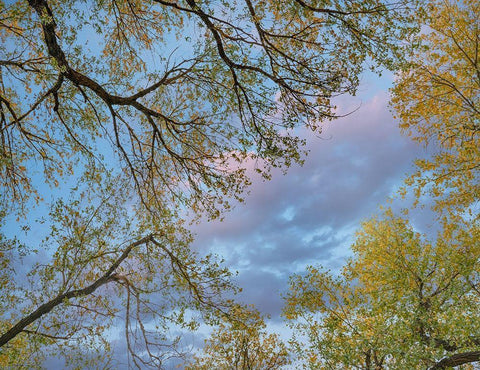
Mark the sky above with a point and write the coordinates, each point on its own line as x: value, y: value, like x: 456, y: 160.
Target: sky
x: 309, y: 215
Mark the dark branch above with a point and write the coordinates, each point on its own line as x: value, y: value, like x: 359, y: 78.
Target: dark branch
x: 457, y: 360
x: 45, y: 308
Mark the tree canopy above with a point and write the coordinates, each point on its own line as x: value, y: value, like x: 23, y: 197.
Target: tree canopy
x: 437, y: 101
x: 401, y: 301
x: 135, y: 113
x: 179, y: 90
x: 99, y: 269
x: 242, y: 343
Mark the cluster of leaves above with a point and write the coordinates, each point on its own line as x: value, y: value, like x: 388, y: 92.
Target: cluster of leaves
x: 241, y: 342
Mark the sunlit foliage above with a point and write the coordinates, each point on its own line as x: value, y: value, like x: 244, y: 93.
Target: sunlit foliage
x: 401, y: 301
x: 437, y: 99
x: 242, y: 342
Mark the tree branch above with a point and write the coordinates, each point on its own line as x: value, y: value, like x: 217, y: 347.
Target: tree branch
x: 456, y: 360
x: 45, y: 308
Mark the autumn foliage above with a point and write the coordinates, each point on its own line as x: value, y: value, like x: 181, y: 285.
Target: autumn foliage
x: 401, y: 302
x: 437, y: 99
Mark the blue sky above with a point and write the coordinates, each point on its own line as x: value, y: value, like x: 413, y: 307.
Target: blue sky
x: 309, y: 216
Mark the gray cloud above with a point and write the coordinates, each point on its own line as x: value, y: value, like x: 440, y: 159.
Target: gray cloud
x: 309, y: 215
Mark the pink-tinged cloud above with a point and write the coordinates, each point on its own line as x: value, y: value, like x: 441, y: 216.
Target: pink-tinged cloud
x: 309, y: 215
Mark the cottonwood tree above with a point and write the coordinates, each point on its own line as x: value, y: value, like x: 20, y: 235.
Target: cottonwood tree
x: 437, y: 99
x: 179, y: 89
x: 401, y: 301
x: 152, y: 107
x: 241, y: 342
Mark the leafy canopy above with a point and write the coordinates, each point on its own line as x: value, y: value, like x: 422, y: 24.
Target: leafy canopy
x: 405, y: 301
x: 437, y: 99
x: 180, y: 91
x: 242, y: 343
x: 98, y: 270
x: 401, y: 301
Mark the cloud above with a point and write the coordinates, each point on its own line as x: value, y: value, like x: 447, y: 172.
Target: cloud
x: 309, y: 215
